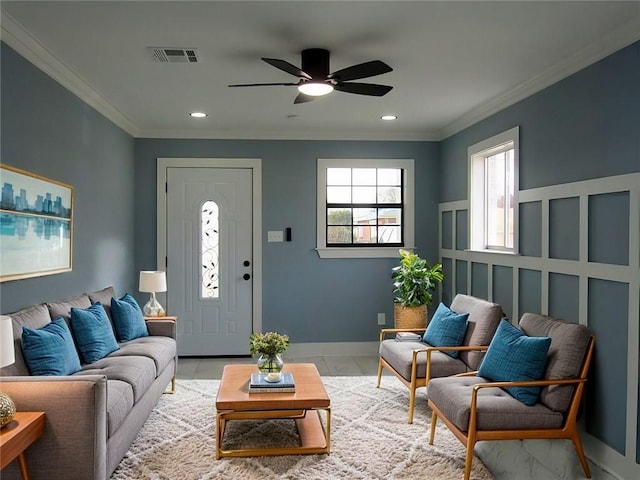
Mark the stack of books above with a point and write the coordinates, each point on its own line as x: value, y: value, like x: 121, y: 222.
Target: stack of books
x: 260, y: 384
x: 408, y: 337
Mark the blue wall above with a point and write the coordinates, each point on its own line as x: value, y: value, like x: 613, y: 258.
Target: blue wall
x: 310, y: 299
x: 47, y: 130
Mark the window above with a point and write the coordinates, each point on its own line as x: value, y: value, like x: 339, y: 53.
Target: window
x: 493, y: 171
x: 365, y: 207
x: 209, y: 250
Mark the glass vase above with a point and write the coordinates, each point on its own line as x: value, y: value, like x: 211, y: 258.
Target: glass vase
x: 271, y: 365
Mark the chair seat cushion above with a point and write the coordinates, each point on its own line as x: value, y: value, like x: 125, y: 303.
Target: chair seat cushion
x: 497, y: 410
x: 400, y: 354
x: 446, y: 329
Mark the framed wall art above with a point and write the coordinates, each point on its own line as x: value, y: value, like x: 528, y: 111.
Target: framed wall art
x: 36, y: 225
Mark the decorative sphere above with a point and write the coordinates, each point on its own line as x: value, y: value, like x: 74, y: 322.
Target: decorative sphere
x: 7, y: 409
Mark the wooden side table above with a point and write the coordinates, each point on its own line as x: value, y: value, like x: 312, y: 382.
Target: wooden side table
x: 17, y: 436
x: 173, y: 319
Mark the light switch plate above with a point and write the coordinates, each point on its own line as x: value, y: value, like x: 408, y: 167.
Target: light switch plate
x: 274, y: 236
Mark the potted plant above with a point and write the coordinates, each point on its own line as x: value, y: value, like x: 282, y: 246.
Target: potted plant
x: 269, y: 347
x: 413, y: 283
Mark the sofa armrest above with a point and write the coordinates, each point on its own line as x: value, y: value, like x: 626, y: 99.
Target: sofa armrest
x: 162, y: 326
x: 75, y: 436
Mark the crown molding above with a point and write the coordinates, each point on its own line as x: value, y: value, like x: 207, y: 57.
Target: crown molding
x: 306, y: 134
x: 608, y: 44
x: 18, y: 38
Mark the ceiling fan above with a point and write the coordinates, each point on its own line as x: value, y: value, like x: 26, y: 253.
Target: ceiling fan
x: 314, y: 79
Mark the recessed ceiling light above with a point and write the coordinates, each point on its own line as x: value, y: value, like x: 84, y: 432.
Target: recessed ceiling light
x: 198, y: 114
x: 389, y: 117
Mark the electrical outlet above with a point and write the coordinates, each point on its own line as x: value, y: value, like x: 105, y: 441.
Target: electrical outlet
x: 381, y: 319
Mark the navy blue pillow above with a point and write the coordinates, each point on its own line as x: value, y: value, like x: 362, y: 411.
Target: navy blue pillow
x: 50, y: 350
x: 513, y: 356
x: 128, y: 318
x: 446, y: 329
x: 93, y: 332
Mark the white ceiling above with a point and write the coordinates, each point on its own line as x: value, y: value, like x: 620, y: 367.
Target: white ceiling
x: 454, y: 62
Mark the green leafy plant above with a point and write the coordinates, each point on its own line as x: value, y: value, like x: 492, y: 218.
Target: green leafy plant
x: 414, y: 280
x: 270, y: 343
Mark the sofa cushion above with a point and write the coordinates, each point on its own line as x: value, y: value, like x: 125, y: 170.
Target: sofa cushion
x: 128, y: 318
x: 497, y: 410
x: 513, y: 356
x: 483, y: 321
x: 93, y: 333
x: 139, y: 372
x: 34, y: 317
x: 569, y: 343
x: 63, y: 308
x: 50, y: 350
x: 162, y: 350
x: 104, y: 297
x: 446, y: 329
x: 119, y: 404
x: 399, y: 355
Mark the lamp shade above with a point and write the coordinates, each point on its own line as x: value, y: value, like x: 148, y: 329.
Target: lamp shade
x: 152, y: 281
x: 7, y: 354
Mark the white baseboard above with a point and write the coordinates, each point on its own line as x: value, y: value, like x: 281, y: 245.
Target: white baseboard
x: 335, y: 348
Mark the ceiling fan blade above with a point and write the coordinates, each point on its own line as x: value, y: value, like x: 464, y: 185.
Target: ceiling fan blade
x: 362, y: 70
x: 260, y: 84
x: 286, y: 67
x: 302, y: 98
x: 372, y: 89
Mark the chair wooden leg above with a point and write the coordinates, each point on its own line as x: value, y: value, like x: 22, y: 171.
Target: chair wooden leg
x: 432, y: 434
x: 379, y: 372
x: 579, y: 450
x: 468, y: 459
x: 412, y: 402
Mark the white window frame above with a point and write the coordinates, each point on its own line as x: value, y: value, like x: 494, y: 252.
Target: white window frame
x: 407, y: 166
x: 477, y: 154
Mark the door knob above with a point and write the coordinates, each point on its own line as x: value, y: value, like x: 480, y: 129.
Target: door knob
x: 246, y: 276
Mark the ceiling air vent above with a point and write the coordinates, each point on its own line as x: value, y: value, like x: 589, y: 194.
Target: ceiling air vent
x: 175, y: 55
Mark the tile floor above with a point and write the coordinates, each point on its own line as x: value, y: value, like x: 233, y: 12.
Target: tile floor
x: 335, y: 365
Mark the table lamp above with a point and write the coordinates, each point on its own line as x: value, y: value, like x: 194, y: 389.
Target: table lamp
x: 7, y: 357
x: 153, y: 282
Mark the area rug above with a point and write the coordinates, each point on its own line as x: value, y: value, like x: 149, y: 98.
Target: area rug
x: 370, y: 439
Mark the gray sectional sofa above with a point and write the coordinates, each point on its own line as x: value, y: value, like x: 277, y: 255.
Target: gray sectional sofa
x: 93, y: 415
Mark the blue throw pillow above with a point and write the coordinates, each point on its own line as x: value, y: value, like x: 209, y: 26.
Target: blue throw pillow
x: 128, y: 318
x: 50, y: 350
x: 93, y: 332
x: 446, y: 329
x: 513, y: 356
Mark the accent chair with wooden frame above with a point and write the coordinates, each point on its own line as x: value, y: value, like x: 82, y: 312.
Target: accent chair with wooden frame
x: 476, y: 409
x: 414, y: 363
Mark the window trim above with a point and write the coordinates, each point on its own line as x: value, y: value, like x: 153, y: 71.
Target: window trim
x: 408, y: 172
x: 476, y: 218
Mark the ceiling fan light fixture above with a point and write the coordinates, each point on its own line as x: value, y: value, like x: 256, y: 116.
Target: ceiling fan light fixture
x: 315, y: 89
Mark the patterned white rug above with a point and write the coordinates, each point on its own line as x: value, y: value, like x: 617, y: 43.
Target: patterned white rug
x: 370, y: 439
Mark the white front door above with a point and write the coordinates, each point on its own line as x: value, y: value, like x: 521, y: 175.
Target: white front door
x: 210, y: 259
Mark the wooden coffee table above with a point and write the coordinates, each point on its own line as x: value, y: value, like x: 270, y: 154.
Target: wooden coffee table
x: 234, y: 402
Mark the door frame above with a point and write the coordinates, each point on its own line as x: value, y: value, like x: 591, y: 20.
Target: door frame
x: 255, y: 164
